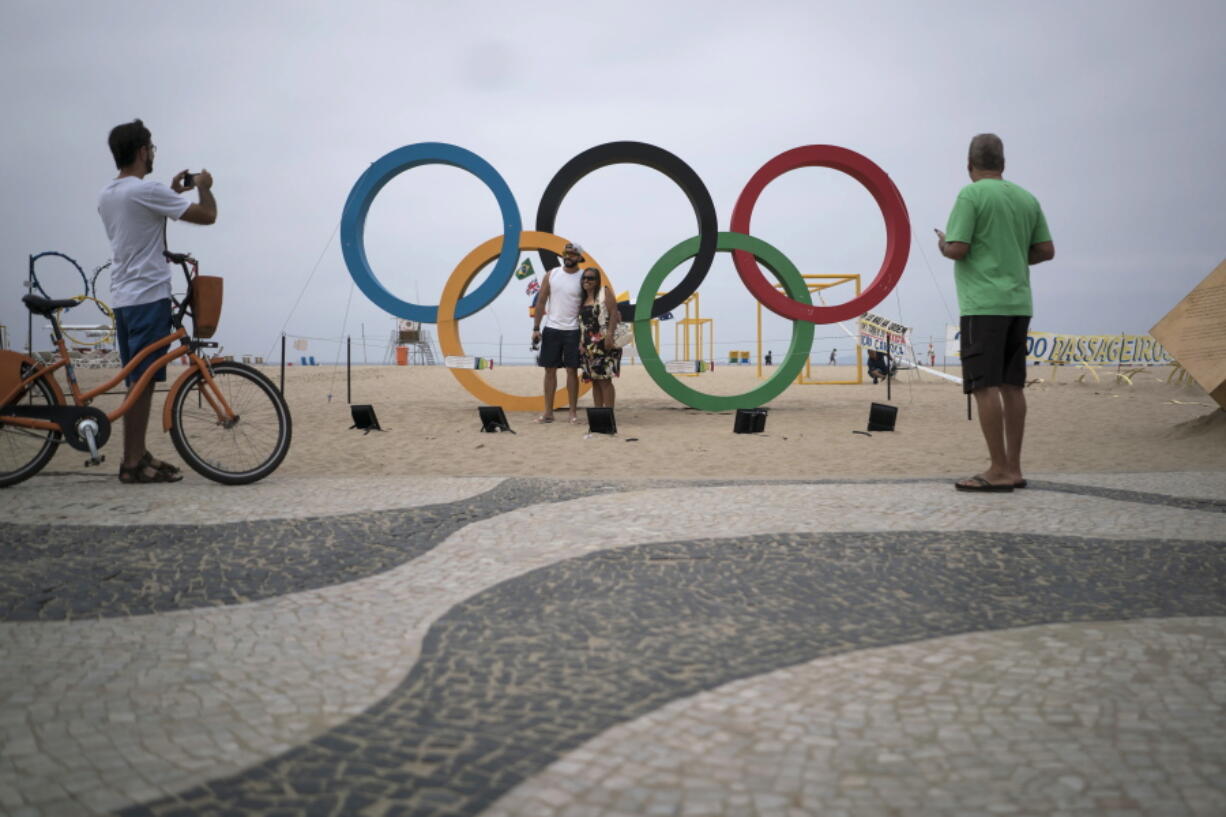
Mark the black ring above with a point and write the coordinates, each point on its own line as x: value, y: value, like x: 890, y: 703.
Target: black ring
x: 38, y: 284
x: 638, y: 153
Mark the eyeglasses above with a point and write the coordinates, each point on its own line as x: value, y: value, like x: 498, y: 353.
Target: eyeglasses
x: 587, y: 278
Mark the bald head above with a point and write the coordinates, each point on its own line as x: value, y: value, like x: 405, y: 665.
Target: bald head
x: 987, y: 152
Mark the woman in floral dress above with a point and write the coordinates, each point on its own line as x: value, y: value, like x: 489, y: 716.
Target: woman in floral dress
x: 598, y: 318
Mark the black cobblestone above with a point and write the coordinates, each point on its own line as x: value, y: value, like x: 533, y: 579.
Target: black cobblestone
x: 1143, y: 497
x: 521, y: 673
x: 65, y: 572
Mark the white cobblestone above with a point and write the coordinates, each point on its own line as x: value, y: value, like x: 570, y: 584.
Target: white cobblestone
x: 1051, y: 764
x: 179, y: 698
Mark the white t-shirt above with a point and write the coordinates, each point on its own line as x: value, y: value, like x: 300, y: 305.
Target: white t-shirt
x: 134, y: 213
x: 565, y: 295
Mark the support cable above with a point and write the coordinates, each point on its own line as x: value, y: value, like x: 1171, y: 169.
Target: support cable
x: 314, y: 269
x: 344, y: 323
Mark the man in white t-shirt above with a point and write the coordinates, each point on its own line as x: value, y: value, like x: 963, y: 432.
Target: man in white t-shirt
x: 134, y: 211
x: 558, y: 306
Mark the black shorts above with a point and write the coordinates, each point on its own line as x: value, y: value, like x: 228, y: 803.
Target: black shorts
x: 993, y: 351
x: 559, y: 348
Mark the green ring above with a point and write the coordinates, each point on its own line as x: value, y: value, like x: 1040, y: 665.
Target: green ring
x: 802, y: 331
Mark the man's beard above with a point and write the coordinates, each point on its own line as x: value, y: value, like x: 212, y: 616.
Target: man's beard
x: 149, y: 165
x: 570, y: 262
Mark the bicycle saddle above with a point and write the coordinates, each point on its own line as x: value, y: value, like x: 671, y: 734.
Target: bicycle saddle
x: 45, y: 306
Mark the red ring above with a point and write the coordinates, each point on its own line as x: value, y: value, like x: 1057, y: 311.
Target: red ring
x: 893, y: 210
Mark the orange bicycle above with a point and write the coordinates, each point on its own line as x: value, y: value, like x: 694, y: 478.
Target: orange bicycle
x: 228, y: 421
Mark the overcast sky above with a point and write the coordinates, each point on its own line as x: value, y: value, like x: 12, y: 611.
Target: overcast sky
x: 1111, y: 112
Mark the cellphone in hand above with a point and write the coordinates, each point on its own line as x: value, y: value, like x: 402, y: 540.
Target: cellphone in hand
x: 189, y: 181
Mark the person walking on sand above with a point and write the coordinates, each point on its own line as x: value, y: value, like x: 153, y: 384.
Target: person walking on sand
x: 834, y: 357
x: 995, y: 231
x: 557, y: 306
x: 134, y: 212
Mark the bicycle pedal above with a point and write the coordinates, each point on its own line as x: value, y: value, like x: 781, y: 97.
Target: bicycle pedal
x: 101, y: 459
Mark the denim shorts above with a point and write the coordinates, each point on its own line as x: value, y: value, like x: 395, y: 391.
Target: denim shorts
x: 137, y: 327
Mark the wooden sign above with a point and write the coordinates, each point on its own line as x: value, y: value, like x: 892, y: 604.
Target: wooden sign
x: 1194, y: 332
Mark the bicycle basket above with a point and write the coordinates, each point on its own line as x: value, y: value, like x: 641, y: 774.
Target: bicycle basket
x: 206, y: 305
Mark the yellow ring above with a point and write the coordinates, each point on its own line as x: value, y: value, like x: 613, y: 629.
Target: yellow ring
x: 106, y: 310
x: 449, y: 327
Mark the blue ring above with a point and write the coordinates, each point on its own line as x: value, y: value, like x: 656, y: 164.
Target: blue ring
x: 353, y: 227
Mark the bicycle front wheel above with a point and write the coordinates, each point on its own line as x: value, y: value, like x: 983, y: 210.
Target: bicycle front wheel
x: 239, y: 452
x: 24, y: 451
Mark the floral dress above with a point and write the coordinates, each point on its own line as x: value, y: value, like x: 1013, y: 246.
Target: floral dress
x: 598, y: 362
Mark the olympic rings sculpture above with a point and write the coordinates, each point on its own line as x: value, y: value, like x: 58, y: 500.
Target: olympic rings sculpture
x: 793, y: 303
x: 89, y: 293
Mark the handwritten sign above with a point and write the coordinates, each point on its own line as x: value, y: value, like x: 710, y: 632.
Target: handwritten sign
x: 884, y: 335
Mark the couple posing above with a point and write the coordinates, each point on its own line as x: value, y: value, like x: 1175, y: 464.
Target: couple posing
x: 580, y: 317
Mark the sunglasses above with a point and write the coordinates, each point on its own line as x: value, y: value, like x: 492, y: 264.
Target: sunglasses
x: 590, y: 278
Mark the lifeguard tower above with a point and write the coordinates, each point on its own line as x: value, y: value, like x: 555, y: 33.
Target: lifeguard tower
x: 412, y: 344
x: 91, y: 345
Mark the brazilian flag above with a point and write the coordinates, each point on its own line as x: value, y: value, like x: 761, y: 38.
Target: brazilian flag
x: 525, y: 270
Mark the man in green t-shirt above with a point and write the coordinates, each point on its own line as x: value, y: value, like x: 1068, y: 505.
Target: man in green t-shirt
x: 995, y: 232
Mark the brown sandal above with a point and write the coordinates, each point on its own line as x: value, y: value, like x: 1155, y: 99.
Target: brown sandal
x: 161, y: 465
x: 145, y: 471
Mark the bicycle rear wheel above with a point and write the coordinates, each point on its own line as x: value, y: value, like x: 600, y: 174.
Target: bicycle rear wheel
x: 24, y: 451
x: 237, y: 453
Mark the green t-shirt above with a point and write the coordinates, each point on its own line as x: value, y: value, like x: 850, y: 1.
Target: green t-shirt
x: 1000, y: 220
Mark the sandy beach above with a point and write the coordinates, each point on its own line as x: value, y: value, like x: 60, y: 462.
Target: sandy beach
x: 432, y: 428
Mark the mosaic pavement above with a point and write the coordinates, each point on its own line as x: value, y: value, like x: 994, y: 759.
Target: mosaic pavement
x: 504, y: 647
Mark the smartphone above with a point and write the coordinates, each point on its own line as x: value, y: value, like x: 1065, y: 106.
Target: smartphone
x: 189, y: 180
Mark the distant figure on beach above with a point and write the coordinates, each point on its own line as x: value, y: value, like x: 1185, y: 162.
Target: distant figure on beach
x: 834, y: 357
x: 557, y: 306
x: 134, y: 212
x: 995, y: 232
x: 932, y: 355
x: 767, y: 361
x: 598, y: 319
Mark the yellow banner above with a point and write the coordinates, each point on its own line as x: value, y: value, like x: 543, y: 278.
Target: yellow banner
x: 1097, y: 350
x: 1127, y: 350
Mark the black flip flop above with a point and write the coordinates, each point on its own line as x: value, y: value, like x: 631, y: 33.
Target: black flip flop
x: 980, y: 485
